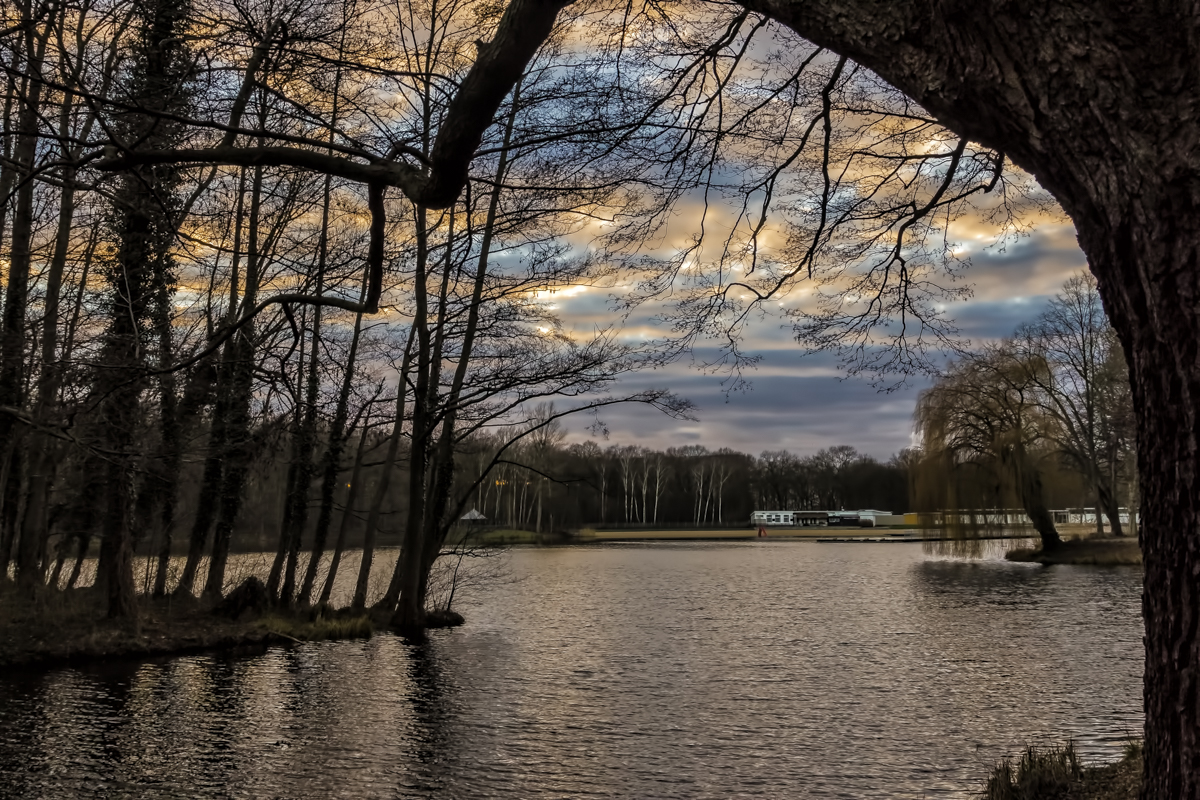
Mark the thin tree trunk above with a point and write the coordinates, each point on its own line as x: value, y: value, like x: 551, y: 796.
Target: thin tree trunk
x: 210, y: 481
x: 283, y: 572
x: 308, y: 431
x: 385, y: 481
x: 8, y: 172
x: 409, y: 614
x: 335, y: 560
x: 1111, y: 502
x: 241, y: 378
x: 218, y: 435
x: 331, y: 464
x: 170, y: 434
x: 12, y: 334
x: 42, y: 446
x: 334, y: 448
x: 84, y: 543
x: 89, y: 253
x: 10, y: 487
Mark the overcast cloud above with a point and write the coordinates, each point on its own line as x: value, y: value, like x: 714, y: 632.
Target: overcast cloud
x: 802, y: 402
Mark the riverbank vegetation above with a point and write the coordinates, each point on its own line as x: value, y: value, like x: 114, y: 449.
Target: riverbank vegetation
x: 1055, y: 773
x: 195, y: 357
x: 268, y: 278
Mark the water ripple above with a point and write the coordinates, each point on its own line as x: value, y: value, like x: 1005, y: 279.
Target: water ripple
x: 762, y: 669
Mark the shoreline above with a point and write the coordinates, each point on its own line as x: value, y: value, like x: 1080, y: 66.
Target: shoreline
x: 1095, y: 552
x: 67, y: 629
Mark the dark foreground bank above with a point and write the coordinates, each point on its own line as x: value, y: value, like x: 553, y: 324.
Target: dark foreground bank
x: 61, y: 628
x: 1056, y: 774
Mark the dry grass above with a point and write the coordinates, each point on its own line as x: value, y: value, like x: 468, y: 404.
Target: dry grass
x: 320, y: 629
x: 1056, y: 774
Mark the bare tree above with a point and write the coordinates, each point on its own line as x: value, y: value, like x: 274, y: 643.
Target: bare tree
x: 1084, y: 386
x: 985, y: 411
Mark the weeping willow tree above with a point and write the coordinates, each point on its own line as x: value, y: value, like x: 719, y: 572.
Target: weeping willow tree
x: 985, y: 437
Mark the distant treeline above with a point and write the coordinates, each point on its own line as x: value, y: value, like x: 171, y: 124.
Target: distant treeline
x: 544, y: 484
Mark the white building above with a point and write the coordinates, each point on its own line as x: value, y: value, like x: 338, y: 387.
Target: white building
x: 866, y: 518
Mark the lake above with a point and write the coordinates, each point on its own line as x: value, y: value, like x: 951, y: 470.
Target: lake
x: 665, y: 670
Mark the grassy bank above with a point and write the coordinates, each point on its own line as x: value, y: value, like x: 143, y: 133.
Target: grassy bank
x: 69, y: 627
x: 1056, y: 774
x: 1094, y: 551
x: 503, y: 536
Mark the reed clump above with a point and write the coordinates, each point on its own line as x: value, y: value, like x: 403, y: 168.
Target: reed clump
x: 1055, y: 773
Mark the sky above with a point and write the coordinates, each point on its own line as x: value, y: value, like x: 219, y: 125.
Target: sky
x: 802, y: 401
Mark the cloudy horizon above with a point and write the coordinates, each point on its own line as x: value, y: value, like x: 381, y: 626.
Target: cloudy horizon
x: 801, y: 401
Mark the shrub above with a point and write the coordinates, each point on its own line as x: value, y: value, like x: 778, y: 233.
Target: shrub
x: 1046, y: 774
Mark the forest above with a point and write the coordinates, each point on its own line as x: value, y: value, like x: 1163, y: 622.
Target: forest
x: 239, y: 310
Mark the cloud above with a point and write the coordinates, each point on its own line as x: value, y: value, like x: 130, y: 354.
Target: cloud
x: 801, y: 403
x: 793, y: 403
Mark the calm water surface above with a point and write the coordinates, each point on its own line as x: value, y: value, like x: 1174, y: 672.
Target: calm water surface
x: 756, y: 669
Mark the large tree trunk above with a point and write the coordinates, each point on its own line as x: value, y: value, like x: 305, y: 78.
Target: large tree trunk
x: 1158, y: 316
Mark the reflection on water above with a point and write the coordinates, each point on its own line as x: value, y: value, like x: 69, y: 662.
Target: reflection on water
x: 758, y: 669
